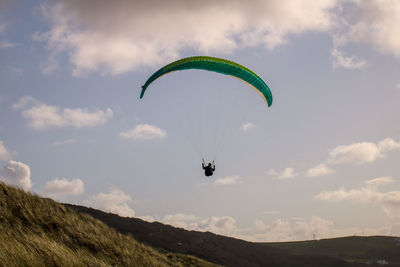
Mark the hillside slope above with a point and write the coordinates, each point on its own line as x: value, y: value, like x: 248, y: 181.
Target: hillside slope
x: 36, y: 231
x: 211, y: 247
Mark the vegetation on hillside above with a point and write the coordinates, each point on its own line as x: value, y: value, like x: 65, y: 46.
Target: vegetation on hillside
x: 37, y: 231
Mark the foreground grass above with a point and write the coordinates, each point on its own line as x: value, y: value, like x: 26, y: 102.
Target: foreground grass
x: 36, y: 231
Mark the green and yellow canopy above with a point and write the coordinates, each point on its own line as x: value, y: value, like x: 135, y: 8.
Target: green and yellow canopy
x: 216, y: 65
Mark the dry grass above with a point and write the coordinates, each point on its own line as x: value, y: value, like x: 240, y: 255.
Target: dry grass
x: 36, y: 231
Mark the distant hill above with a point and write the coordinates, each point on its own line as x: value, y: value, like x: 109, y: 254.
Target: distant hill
x: 337, y: 252
x: 36, y: 231
x: 371, y: 250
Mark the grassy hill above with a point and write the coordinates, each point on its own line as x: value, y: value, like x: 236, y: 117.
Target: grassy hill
x: 36, y: 231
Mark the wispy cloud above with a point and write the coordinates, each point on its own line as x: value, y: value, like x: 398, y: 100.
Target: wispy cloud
x: 43, y: 117
x: 4, y: 44
x: 287, y: 173
x: 380, y: 180
x: 247, y: 126
x: 319, y: 170
x: 340, y: 61
x: 144, y: 132
x: 231, y: 180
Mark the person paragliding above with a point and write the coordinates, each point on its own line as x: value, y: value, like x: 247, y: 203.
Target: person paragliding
x: 209, y: 169
x: 218, y: 65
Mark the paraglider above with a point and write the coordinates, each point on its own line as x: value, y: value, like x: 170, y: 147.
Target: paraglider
x: 218, y: 65
x: 209, y: 169
x: 214, y: 64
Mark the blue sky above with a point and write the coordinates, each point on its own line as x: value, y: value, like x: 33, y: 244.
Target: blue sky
x: 321, y: 161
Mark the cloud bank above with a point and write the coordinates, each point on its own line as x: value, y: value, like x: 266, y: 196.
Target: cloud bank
x: 369, y: 193
x: 119, y: 36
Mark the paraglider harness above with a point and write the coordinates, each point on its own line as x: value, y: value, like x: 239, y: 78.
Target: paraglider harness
x: 208, y: 169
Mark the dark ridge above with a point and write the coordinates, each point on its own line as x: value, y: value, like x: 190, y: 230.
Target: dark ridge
x: 222, y: 250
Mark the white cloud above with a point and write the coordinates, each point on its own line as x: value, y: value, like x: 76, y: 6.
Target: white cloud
x: 43, y: 117
x: 63, y: 187
x: 181, y: 220
x: 228, y: 180
x: 355, y: 153
x: 380, y: 180
x: 387, y: 145
x: 340, y: 61
x: 224, y: 225
x: 287, y: 173
x: 144, y: 132
x: 16, y: 173
x: 319, y: 170
x: 247, y: 126
x: 361, y: 153
x: 388, y: 201
x: 372, y: 22
x: 113, y: 40
x: 64, y: 142
x: 115, y: 201
x: 4, y: 155
x: 292, y: 229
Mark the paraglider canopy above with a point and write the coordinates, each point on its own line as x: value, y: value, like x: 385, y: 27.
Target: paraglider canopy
x: 216, y: 65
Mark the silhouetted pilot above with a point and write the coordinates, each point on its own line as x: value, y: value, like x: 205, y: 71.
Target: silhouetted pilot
x: 209, y: 169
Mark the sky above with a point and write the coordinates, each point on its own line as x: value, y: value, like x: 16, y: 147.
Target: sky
x: 321, y: 162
